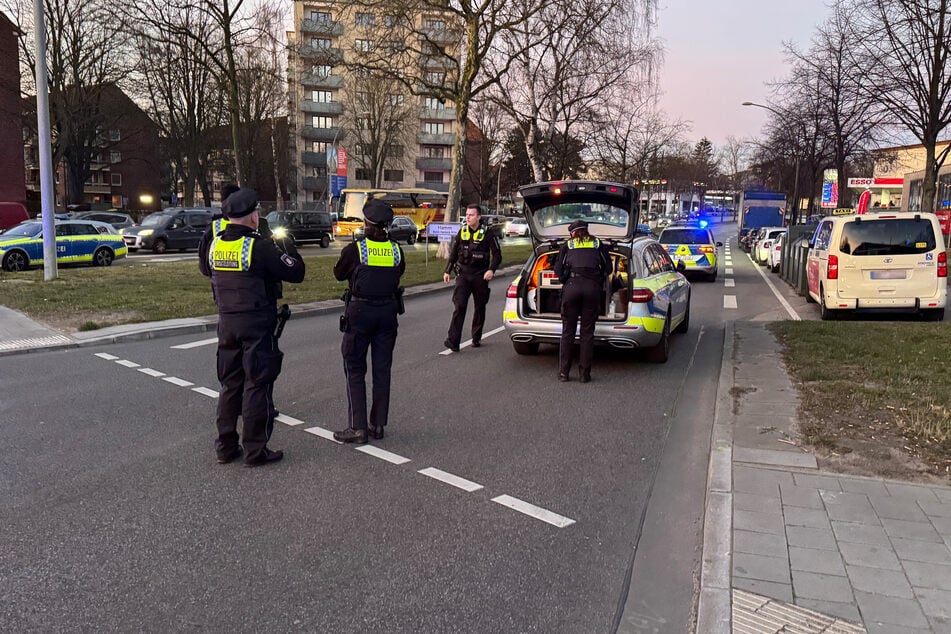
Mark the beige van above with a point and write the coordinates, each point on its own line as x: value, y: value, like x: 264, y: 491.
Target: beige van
x: 878, y: 261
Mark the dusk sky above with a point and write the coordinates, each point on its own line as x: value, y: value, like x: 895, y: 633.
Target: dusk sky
x: 720, y: 54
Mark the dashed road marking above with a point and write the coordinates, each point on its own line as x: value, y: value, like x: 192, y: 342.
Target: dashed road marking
x: 729, y: 282
x: 174, y: 380
x: 128, y: 364
x: 288, y: 420
x: 106, y: 356
x: 205, y: 391
x: 383, y: 454
x: 195, y: 344
x: 453, y: 480
x: 728, y: 271
x: 151, y: 372
x: 466, y: 344
x: 534, y: 511
x: 729, y: 301
x: 321, y: 432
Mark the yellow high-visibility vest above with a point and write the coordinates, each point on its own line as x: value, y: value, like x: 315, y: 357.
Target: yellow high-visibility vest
x: 465, y: 234
x: 374, y: 253
x: 230, y: 255
x: 584, y: 243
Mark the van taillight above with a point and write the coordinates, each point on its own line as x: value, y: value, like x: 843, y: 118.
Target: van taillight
x: 512, y: 293
x: 943, y: 264
x: 641, y: 295
x: 832, y: 270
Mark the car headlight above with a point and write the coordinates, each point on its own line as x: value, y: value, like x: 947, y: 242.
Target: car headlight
x: 146, y: 232
x: 280, y: 233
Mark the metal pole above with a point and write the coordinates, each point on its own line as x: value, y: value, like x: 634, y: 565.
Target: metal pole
x: 43, y: 140
x: 498, y: 182
x: 794, y: 220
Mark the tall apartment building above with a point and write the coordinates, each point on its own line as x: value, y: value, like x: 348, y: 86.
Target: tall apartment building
x: 319, y: 89
x: 13, y: 183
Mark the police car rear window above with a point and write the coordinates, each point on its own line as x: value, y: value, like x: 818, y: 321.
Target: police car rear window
x: 684, y: 236
x: 892, y: 236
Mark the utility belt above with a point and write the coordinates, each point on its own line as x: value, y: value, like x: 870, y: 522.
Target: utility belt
x: 374, y: 300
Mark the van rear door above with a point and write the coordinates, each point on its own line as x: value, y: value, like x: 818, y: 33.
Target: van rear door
x: 884, y: 260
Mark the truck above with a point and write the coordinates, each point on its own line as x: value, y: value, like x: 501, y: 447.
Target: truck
x: 760, y: 209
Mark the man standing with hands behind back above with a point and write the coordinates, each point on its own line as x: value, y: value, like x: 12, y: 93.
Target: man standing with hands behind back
x: 475, y: 255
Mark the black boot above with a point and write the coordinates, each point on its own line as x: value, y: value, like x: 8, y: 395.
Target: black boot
x: 376, y: 433
x: 585, y: 374
x: 358, y: 436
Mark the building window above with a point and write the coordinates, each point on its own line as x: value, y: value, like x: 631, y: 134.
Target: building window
x: 114, y: 136
x: 115, y: 156
x: 323, y: 122
x: 435, y: 79
x: 363, y: 123
x: 434, y: 151
x: 430, y: 127
x: 394, y: 46
x: 393, y: 175
x: 323, y: 96
x: 364, y: 19
x: 320, y: 42
x: 363, y: 45
x: 320, y: 146
x: 432, y: 23
x: 322, y: 70
x: 433, y: 103
x: 363, y: 174
x: 396, y: 100
x: 321, y: 17
x: 394, y: 150
x: 319, y: 172
x: 432, y: 177
x: 116, y: 179
x: 392, y: 20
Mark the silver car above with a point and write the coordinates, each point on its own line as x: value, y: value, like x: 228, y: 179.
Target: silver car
x: 645, y: 298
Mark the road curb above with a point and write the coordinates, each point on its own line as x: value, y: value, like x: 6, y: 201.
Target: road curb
x: 714, y: 612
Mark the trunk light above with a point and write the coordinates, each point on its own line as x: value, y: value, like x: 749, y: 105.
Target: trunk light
x: 943, y: 264
x: 512, y: 293
x: 641, y: 295
x: 832, y: 268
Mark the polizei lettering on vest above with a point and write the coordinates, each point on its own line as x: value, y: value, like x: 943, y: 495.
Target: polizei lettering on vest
x: 379, y: 251
x: 225, y: 260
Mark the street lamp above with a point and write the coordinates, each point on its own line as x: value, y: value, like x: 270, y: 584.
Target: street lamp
x: 794, y: 217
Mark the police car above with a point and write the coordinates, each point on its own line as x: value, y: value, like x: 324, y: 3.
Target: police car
x: 645, y: 297
x: 692, y: 244
x: 77, y: 242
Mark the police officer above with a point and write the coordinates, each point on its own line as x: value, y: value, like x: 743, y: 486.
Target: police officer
x: 247, y: 269
x: 475, y: 255
x: 373, y: 266
x: 582, y: 266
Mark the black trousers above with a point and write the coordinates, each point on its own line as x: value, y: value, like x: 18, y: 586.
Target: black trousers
x: 580, y: 297
x: 468, y: 284
x: 249, y: 362
x: 371, y: 325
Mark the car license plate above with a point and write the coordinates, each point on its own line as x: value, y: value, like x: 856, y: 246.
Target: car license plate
x: 888, y: 274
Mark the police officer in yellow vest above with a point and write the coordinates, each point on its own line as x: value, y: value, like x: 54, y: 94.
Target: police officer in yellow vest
x: 474, y: 255
x: 373, y: 266
x: 247, y: 269
x: 582, y: 266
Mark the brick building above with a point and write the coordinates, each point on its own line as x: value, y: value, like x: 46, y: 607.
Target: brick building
x: 13, y: 182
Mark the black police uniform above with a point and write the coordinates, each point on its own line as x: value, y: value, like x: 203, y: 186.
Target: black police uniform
x: 247, y: 269
x: 581, y: 266
x: 373, y: 268
x: 471, y: 254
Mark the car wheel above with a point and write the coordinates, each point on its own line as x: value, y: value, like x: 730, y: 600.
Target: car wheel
x: 324, y: 242
x: 774, y: 268
x: 103, y: 257
x: 661, y: 352
x: 523, y: 347
x: 685, y: 324
x: 159, y: 246
x: 15, y: 261
x: 411, y: 238
x: 712, y: 277
x: 131, y: 250
x: 824, y: 313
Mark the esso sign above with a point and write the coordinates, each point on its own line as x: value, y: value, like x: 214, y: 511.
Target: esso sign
x: 861, y: 182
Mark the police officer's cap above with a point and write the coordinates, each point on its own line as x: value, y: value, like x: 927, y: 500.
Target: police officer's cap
x: 577, y: 224
x: 240, y: 203
x: 378, y: 212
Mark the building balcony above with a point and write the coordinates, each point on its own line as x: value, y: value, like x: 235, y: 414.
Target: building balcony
x: 321, y: 81
x: 320, y: 134
x: 425, y: 138
x: 439, y: 36
x: 99, y: 188
x: 430, y: 164
x: 321, y: 28
x: 314, y: 184
x: 439, y: 187
x: 440, y: 114
x: 313, y: 158
x: 321, y: 107
x: 328, y: 56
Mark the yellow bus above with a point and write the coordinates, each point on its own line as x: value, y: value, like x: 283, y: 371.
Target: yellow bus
x: 422, y: 206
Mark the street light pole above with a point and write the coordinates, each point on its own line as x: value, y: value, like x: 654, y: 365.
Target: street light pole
x: 794, y: 217
x: 498, y: 182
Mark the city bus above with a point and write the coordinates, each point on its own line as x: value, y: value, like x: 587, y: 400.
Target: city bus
x: 422, y: 206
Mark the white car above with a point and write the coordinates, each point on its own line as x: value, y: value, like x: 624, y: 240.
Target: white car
x: 517, y: 227
x: 763, y: 247
x: 776, y: 252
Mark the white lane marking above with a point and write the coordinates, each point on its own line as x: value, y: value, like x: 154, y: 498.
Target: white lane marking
x: 205, y: 391
x: 151, y: 372
x: 174, y: 380
x: 128, y: 364
x: 466, y: 344
x: 729, y: 301
x: 782, y: 300
x: 195, y: 344
x: 534, y: 511
x: 466, y: 485
x: 728, y: 261
x: 320, y: 431
x: 382, y: 454
x: 106, y: 356
x: 288, y: 420
x: 729, y: 282
x: 728, y: 271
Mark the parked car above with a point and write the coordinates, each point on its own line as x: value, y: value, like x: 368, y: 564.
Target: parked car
x: 12, y: 214
x: 517, y: 227
x: 302, y: 226
x: 694, y: 246
x: 891, y: 261
x: 761, y: 254
x: 119, y: 221
x: 401, y: 229
x: 776, y: 252
x: 77, y: 242
x: 172, y: 228
x: 645, y: 297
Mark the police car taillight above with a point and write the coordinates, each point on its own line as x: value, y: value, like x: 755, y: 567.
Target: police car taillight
x: 832, y: 268
x: 512, y: 293
x: 943, y: 264
x: 641, y: 295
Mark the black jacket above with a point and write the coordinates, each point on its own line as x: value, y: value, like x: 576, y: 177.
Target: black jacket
x: 473, y: 255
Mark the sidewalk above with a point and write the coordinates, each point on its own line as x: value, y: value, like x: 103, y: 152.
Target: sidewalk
x: 788, y: 546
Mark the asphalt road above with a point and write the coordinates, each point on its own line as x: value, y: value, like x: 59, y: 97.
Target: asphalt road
x: 116, y: 516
